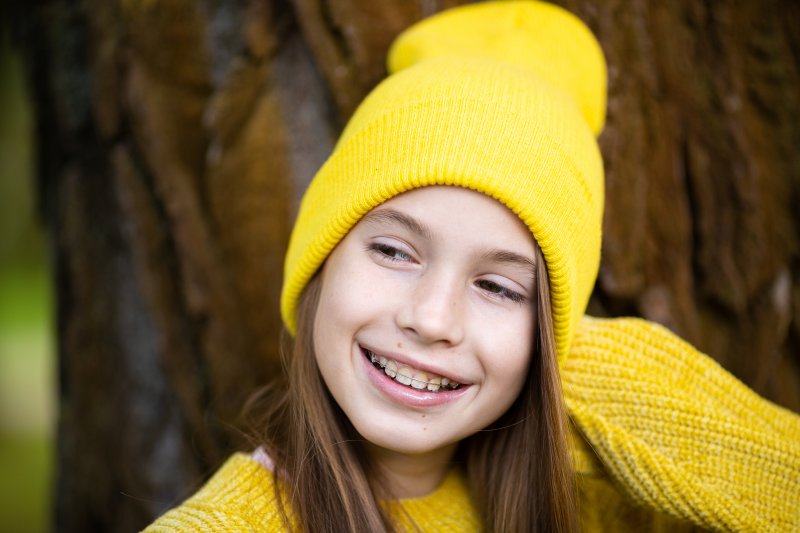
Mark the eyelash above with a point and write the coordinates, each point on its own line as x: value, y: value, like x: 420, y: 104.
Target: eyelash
x: 498, y: 290
x: 388, y: 252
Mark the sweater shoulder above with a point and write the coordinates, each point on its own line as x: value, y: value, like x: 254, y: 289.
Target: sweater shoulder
x: 239, y: 497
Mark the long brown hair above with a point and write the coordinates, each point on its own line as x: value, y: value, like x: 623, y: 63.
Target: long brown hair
x: 519, y: 469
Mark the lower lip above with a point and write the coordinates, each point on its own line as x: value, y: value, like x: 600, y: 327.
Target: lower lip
x: 408, y: 396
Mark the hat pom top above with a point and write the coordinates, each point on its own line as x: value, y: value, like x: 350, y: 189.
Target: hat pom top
x: 544, y: 39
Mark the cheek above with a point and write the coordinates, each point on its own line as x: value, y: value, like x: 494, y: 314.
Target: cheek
x: 510, y: 347
x: 334, y: 327
x: 356, y: 289
x: 345, y: 301
x: 515, y: 369
x: 352, y: 296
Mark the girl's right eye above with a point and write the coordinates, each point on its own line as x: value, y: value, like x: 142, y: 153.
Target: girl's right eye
x: 390, y: 253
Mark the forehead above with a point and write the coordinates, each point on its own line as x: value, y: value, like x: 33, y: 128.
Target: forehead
x: 453, y: 211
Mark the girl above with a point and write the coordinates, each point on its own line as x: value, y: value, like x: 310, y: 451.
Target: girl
x: 434, y: 287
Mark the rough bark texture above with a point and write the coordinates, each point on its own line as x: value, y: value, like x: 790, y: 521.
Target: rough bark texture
x: 176, y: 137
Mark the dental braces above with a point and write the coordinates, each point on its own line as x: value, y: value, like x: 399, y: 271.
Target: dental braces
x: 445, y: 383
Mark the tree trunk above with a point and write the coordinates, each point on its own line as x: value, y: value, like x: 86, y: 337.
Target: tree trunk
x: 175, y: 139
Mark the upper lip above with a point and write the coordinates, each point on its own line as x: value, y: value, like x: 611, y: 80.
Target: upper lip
x: 403, y: 359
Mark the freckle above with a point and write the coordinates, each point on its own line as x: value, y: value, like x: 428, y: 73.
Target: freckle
x: 423, y: 416
x: 424, y: 429
x: 399, y: 344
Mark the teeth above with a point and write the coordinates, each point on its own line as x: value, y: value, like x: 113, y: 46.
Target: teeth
x: 420, y: 381
x: 403, y: 375
x: 417, y: 379
x: 391, y: 369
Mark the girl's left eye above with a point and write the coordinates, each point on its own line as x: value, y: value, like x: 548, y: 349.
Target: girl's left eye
x: 498, y: 290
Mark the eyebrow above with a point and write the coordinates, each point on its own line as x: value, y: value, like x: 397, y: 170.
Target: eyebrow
x: 494, y: 255
x: 511, y: 258
x: 390, y: 215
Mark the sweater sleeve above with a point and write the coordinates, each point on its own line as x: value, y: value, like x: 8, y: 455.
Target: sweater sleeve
x: 678, y: 433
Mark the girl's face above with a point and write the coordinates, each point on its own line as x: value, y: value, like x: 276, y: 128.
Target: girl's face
x: 424, y: 327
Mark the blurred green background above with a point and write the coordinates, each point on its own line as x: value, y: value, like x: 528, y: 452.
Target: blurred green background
x: 27, y: 360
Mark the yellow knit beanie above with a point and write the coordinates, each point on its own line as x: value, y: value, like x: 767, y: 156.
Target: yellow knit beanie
x: 504, y: 98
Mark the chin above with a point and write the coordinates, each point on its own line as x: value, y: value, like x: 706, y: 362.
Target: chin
x: 406, y: 440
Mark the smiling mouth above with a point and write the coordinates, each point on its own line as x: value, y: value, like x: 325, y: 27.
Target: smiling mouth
x: 410, y: 377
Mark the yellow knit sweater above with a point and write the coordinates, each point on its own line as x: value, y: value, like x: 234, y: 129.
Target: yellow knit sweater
x: 665, y: 440
x: 240, y: 498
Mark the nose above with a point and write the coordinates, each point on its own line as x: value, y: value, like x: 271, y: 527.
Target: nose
x: 433, y: 312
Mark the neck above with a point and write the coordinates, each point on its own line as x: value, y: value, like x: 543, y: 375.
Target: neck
x: 412, y: 475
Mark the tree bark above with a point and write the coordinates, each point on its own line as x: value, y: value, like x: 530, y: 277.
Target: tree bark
x: 175, y: 139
